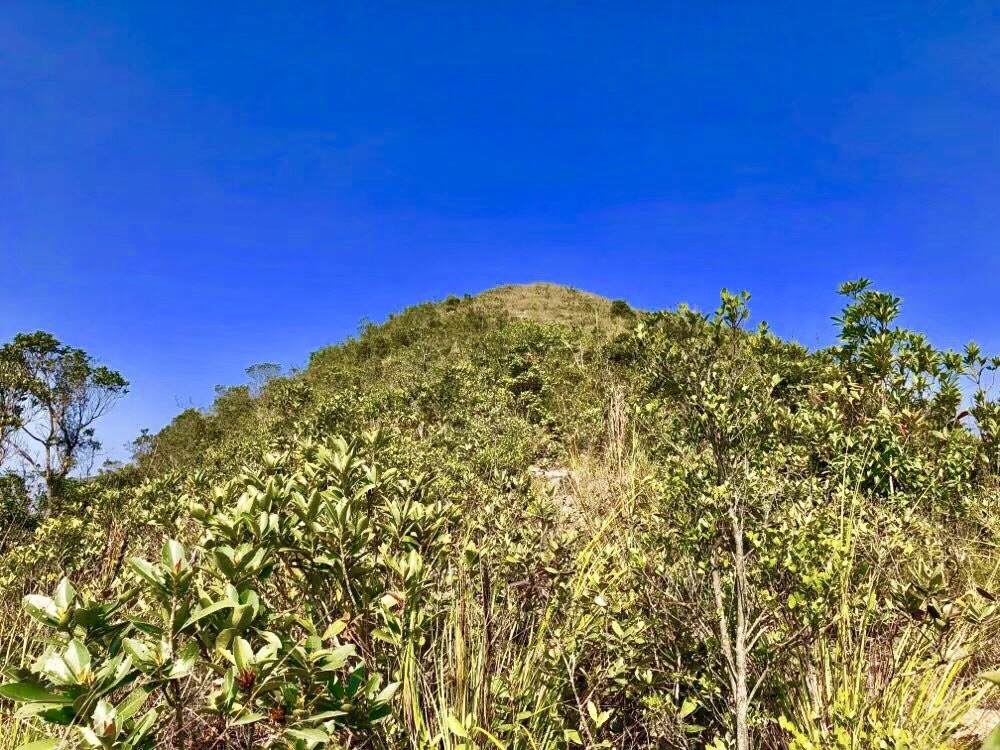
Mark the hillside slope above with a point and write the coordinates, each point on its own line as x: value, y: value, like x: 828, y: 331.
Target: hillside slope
x: 530, y: 355
x: 534, y: 518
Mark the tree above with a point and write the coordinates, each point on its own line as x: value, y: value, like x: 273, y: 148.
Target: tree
x: 51, y: 395
x: 15, y: 508
x: 10, y: 408
x: 261, y: 374
x: 727, y: 495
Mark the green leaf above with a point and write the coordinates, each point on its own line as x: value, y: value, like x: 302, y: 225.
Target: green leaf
x: 139, y: 652
x: 205, y: 612
x: 387, y: 692
x: 456, y: 727
x: 54, y: 667
x: 46, y: 744
x: 228, y: 689
x: 993, y: 741
x: 687, y: 708
x: 147, y: 627
x: 385, y: 635
x: 242, y: 654
x: 241, y: 617
x: 132, y: 703
x: 308, y: 735
x: 53, y: 713
x: 146, y: 570
x: 77, y: 658
x: 336, y: 628
x: 173, y: 556
x: 65, y: 594
x: 327, y: 715
x: 90, y: 737
x: 42, y: 609
x: 340, y: 655
x: 247, y: 718
x: 223, y: 557
x: 32, y: 692
x: 142, y: 728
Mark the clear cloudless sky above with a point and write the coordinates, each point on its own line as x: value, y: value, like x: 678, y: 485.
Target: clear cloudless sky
x: 187, y: 188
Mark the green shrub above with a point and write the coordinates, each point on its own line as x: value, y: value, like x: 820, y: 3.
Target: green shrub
x: 621, y: 309
x: 308, y: 579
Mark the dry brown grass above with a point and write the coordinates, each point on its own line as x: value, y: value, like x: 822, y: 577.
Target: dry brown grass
x: 544, y: 302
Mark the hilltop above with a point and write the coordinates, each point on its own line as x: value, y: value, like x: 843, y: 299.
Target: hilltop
x: 527, y: 353
x: 544, y: 302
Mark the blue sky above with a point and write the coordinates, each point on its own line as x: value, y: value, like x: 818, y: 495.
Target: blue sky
x: 189, y: 188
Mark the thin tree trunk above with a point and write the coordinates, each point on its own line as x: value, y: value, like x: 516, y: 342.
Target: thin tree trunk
x: 740, y: 677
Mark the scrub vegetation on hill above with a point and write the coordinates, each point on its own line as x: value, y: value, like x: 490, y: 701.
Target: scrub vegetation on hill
x: 534, y: 518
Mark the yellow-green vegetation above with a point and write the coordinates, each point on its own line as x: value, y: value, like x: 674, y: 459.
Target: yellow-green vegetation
x: 533, y: 518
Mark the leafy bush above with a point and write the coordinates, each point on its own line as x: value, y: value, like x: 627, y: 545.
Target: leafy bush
x: 307, y: 578
x: 621, y: 309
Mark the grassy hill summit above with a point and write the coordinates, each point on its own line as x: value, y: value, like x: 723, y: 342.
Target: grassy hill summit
x: 548, y: 303
x: 530, y: 518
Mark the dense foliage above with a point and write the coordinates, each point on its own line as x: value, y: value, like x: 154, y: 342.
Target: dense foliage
x: 533, y: 518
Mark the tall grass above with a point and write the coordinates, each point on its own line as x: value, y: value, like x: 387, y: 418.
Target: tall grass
x: 455, y: 700
x: 18, y: 639
x: 871, y: 682
x: 488, y: 680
